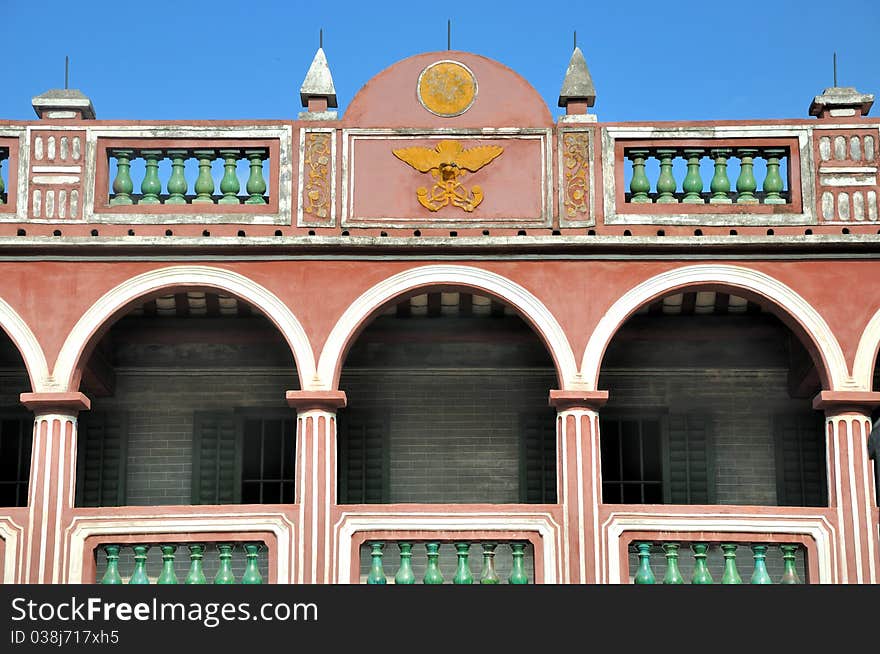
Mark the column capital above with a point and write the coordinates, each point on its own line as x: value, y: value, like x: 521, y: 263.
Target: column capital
x: 55, y: 402
x: 564, y: 400
x: 323, y: 400
x: 855, y: 401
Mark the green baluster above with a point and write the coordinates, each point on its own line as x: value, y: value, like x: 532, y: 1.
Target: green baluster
x: 731, y: 574
x: 644, y: 575
x: 151, y: 187
x: 745, y: 183
x: 168, y: 575
x: 139, y: 576
x: 518, y: 570
x: 463, y: 571
x: 693, y: 183
x: 111, y: 574
x: 760, y: 576
x: 122, y: 185
x: 673, y: 575
x: 251, y: 569
x: 196, y: 575
x: 204, y: 186
x: 701, y: 570
x: 405, y: 575
x: 488, y: 574
x: 224, y: 572
x: 177, y: 181
x: 790, y: 575
x: 666, y: 182
x: 773, y: 181
x: 639, y: 186
x: 720, y: 184
x: 432, y: 571
x: 256, y: 185
x: 229, y: 185
x: 377, y: 573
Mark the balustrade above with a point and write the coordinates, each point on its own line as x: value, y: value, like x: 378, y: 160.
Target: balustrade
x: 729, y: 560
x: 5, y: 163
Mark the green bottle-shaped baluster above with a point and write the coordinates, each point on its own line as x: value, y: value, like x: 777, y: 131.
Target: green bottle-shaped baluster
x: 518, y: 569
x: 168, y: 575
x: 377, y: 572
x: 790, y: 575
x: 151, y: 187
x: 432, y: 571
x: 196, y: 575
x: 463, y: 571
x: 673, y: 574
x: 229, y: 185
x: 745, y: 183
x: 256, y: 185
x: 139, y: 576
x: 731, y: 574
x: 177, y: 182
x: 644, y: 575
x: 224, y: 572
x: 204, y: 186
x: 251, y: 568
x: 405, y: 575
x: 639, y: 185
x: 701, y: 570
x: 693, y: 183
x: 773, y: 181
x: 760, y: 576
x: 111, y: 574
x: 122, y: 185
x: 488, y: 574
x: 666, y: 182
x: 720, y: 184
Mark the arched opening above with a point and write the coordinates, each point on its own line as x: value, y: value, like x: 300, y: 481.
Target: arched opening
x: 710, y: 403
x: 187, y: 391
x: 16, y: 426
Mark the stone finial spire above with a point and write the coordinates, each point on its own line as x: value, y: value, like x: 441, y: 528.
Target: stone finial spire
x: 577, y: 91
x: 317, y: 91
x: 63, y: 103
x: 838, y: 101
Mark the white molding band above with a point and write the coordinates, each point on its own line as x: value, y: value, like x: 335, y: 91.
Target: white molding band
x: 11, y: 534
x: 866, y: 354
x: 27, y: 344
x: 735, y: 277
x: 176, y: 276
x: 529, y: 306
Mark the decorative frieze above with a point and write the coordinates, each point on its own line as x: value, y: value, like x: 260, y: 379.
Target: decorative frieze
x: 846, y: 182
x: 317, y: 178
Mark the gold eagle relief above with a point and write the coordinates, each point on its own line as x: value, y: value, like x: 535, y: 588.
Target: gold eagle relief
x: 448, y: 163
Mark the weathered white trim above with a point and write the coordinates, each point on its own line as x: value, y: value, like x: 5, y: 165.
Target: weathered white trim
x: 531, y: 308
x: 225, y: 280
x: 28, y: 346
x: 866, y: 354
x: 11, y: 533
x: 56, y: 169
x: 733, y: 276
x: 541, y: 523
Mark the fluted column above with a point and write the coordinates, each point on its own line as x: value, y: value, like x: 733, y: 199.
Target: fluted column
x: 52, y: 482
x: 578, y: 480
x: 316, y: 481
x: 851, y: 482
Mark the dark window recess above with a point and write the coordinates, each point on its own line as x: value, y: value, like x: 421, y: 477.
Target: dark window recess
x: 632, y: 470
x: 268, y: 460
x: 538, y: 458
x: 800, y: 460
x: 16, y: 439
x: 102, y: 449
x: 363, y: 456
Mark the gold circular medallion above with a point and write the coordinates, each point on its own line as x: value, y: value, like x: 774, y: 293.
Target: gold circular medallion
x: 447, y: 88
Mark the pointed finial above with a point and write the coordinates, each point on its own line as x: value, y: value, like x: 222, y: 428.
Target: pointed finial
x: 66, y: 72
x: 577, y: 91
x: 449, y: 34
x: 835, y: 69
x: 317, y: 92
x: 321, y: 38
x: 575, y: 40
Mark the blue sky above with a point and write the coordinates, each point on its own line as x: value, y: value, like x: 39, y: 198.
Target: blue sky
x: 649, y: 60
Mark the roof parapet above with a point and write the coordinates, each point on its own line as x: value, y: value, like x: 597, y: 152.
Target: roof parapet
x: 63, y: 103
x: 840, y: 101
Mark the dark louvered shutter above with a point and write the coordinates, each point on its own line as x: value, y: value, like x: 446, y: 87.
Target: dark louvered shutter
x: 538, y: 458
x: 216, y: 465
x: 689, y: 462
x: 102, y: 447
x: 800, y: 460
x: 363, y: 457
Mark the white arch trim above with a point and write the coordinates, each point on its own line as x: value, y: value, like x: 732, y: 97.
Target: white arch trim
x: 156, y: 280
x: 28, y: 345
x: 735, y: 276
x: 491, y: 283
x: 866, y: 354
